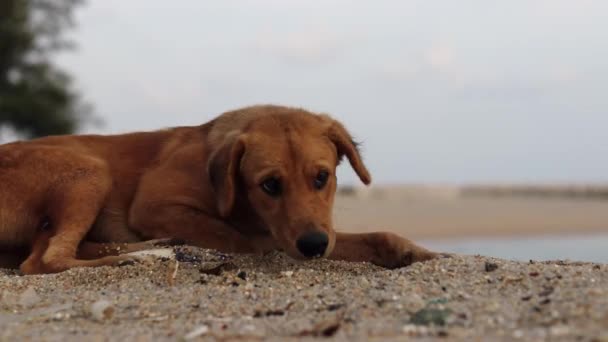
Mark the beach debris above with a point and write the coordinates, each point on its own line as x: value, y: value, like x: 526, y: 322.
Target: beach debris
x: 217, y: 268
x: 431, y: 316
x: 197, y: 332
x: 158, y: 253
x: 435, y: 313
x: 325, y: 328
x: 29, y: 298
x: 442, y: 334
x: 219, y: 256
x: 273, y: 312
x: 269, y: 313
x: 547, y: 291
x: 183, y: 256
x: 102, y: 310
x: 491, y: 266
x: 173, y: 274
x: 334, y: 307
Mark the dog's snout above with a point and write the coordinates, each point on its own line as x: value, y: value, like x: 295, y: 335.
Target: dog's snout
x: 313, y: 244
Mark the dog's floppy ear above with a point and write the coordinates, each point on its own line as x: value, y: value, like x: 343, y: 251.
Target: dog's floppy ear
x: 223, y: 168
x: 346, y: 146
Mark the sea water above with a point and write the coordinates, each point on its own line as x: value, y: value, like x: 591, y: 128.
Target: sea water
x: 576, y: 248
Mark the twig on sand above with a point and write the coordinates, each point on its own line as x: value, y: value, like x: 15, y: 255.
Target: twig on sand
x: 173, y: 275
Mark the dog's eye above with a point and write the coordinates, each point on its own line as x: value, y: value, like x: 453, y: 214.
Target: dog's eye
x: 272, y: 186
x: 321, y: 179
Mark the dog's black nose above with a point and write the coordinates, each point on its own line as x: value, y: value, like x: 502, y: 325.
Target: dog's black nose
x: 312, y: 244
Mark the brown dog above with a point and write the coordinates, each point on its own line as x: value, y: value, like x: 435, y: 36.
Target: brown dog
x: 252, y: 180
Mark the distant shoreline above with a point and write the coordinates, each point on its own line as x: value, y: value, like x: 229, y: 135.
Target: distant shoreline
x: 452, y: 212
x: 582, y: 191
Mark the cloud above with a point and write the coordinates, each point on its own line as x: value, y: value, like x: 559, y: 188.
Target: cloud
x: 438, y: 61
x: 310, y: 46
x: 563, y: 74
x: 567, y: 8
x: 440, y: 57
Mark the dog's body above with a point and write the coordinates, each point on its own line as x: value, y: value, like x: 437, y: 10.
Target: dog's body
x: 252, y: 180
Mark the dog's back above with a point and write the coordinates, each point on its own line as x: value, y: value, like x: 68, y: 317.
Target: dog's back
x: 30, y: 170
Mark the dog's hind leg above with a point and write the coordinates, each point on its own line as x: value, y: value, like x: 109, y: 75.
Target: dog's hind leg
x: 33, y: 263
x: 76, y: 202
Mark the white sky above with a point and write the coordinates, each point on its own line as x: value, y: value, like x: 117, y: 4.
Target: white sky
x: 438, y: 91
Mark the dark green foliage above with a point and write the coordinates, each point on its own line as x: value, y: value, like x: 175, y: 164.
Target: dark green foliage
x: 36, y: 98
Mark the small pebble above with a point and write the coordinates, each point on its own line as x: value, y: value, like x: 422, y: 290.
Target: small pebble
x: 491, y: 266
x: 559, y: 330
x: 29, y: 298
x: 102, y: 310
x: 518, y: 334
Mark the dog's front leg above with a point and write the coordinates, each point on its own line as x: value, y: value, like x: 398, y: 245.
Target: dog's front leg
x: 197, y: 228
x: 383, y: 249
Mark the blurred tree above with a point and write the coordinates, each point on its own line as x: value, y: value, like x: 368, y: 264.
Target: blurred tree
x: 36, y: 98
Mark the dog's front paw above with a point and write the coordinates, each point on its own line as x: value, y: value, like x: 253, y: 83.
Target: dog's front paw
x: 393, y: 251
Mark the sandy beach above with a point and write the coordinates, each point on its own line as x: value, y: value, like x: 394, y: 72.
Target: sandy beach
x: 444, y: 212
x: 213, y: 296
x: 208, y: 295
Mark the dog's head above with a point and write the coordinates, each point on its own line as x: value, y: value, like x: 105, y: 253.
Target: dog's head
x: 283, y: 161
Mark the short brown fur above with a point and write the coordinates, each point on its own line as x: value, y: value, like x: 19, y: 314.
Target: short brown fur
x: 81, y: 201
